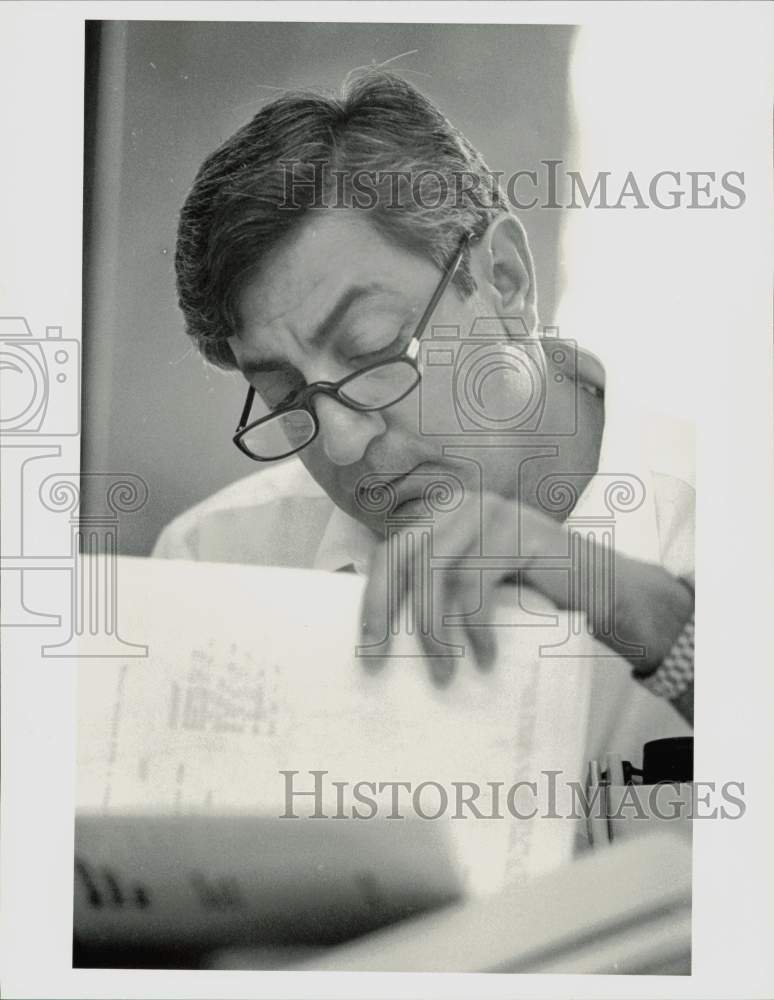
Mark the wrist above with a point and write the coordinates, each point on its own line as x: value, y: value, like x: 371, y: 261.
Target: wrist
x: 672, y: 677
x: 658, y: 644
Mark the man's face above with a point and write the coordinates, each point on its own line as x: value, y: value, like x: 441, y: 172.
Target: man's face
x: 334, y: 297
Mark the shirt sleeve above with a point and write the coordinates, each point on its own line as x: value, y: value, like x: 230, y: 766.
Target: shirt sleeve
x: 173, y: 543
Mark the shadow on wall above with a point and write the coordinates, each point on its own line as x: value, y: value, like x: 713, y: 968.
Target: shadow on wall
x: 161, y: 96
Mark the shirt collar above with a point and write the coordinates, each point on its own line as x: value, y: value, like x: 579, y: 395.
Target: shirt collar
x: 345, y: 543
x: 622, y: 490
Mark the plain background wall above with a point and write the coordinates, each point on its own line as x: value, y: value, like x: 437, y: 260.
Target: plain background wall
x: 160, y: 97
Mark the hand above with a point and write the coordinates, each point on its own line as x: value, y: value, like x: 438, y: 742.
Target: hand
x: 650, y: 607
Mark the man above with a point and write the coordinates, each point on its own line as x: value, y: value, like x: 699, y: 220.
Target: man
x: 350, y: 256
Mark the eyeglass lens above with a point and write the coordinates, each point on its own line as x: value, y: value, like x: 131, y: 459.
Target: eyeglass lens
x: 380, y: 386
x: 372, y: 389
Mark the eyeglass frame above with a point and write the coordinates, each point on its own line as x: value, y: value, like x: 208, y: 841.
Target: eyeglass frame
x: 302, y: 400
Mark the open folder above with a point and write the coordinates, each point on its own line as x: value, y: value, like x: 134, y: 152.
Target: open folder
x: 252, y: 781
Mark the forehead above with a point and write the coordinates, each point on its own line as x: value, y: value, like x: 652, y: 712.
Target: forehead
x: 319, y: 261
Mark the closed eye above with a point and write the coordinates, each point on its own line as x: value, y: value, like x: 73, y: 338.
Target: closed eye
x: 288, y: 398
x: 276, y: 386
x: 390, y: 350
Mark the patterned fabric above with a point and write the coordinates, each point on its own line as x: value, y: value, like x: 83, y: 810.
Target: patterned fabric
x: 675, y: 673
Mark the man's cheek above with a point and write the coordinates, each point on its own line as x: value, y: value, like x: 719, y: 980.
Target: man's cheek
x: 330, y: 478
x: 318, y: 466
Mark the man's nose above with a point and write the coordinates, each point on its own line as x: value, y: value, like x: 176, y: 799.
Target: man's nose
x: 345, y: 433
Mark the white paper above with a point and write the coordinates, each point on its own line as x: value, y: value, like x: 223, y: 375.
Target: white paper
x: 251, y: 672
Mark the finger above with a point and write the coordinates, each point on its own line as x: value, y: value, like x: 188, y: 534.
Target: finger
x: 445, y: 608
x: 396, y: 592
x: 540, y: 536
x: 541, y: 541
x: 373, y: 607
x: 484, y: 642
x: 484, y: 632
x: 442, y: 670
x: 457, y: 537
x: 480, y: 591
x: 463, y: 592
x: 374, y: 618
x: 413, y: 592
x: 501, y: 527
x: 459, y: 597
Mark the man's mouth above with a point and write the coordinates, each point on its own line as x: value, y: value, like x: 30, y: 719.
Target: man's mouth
x: 413, y: 487
x: 407, y: 487
x: 387, y: 490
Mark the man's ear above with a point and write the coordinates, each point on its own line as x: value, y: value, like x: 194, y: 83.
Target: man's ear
x: 501, y: 264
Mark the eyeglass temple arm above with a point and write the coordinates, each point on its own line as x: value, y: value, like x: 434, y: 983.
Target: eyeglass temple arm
x: 413, y: 347
x: 247, y: 408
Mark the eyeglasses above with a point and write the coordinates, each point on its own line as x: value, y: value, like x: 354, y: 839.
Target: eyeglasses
x: 375, y: 387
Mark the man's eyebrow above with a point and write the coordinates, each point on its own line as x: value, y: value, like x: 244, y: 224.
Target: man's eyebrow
x: 324, y: 329
x: 343, y: 305
x: 259, y: 365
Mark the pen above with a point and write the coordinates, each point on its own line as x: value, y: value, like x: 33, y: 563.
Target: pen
x: 596, y: 797
x: 614, y: 776
x: 614, y: 769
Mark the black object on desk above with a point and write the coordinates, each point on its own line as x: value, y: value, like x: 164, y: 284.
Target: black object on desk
x: 668, y: 760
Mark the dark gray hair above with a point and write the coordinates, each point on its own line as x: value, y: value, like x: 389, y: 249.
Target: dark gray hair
x: 286, y: 162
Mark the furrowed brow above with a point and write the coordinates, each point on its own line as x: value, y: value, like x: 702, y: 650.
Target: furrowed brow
x: 260, y: 366
x: 324, y: 330
x: 342, y: 307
